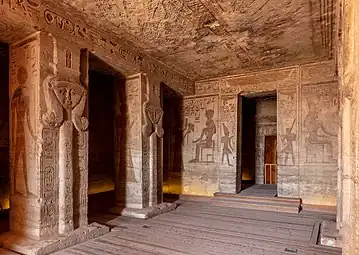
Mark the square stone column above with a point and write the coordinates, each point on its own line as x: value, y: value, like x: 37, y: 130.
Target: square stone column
x: 49, y: 147
x: 139, y: 148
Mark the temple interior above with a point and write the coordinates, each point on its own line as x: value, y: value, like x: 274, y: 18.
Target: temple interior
x: 179, y: 127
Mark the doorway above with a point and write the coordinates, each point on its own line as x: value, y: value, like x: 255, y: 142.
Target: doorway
x: 101, y: 164
x: 172, y: 143
x: 4, y: 138
x: 270, y: 160
x: 258, y: 140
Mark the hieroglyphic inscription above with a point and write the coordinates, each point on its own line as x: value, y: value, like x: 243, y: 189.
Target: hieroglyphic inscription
x: 207, y: 87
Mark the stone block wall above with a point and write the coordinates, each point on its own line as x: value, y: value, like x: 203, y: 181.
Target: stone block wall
x: 307, y: 127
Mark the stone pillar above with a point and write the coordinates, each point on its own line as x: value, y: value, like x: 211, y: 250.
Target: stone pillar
x: 138, y: 148
x: 48, y: 149
x: 152, y: 131
x: 128, y: 143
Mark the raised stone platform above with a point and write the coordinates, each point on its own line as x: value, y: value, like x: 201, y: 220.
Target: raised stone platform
x: 28, y: 246
x: 272, y: 204
x: 329, y: 235
x: 145, y: 213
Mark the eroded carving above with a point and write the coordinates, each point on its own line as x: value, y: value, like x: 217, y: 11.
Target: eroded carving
x: 153, y: 113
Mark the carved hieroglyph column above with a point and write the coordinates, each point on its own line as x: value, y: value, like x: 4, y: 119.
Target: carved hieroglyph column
x: 138, y: 126
x: 151, y: 131
x: 65, y: 103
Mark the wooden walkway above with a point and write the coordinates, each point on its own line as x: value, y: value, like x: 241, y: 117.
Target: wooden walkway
x: 201, y: 228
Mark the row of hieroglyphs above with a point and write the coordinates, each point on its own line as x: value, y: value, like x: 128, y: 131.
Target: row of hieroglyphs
x: 45, y: 18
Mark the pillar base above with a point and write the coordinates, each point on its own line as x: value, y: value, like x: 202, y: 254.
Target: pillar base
x: 144, y: 213
x: 25, y: 245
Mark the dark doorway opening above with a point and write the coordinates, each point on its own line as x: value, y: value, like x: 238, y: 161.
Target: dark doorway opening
x: 172, y: 143
x: 4, y: 138
x: 248, y: 141
x: 103, y: 81
x: 258, y: 143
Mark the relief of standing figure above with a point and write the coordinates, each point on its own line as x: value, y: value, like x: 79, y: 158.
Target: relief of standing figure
x: 288, y: 140
x: 20, y: 112
x: 227, y: 146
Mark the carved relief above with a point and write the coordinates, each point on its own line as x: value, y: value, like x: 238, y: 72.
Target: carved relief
x: 152, y: 113
x: 228, y: 147
x: 128, y: 116
x: 287, y: 127
x: 228, y: 117
x: 207, y: 87
x: 320, y: 108
x: 203, y: 113
x: 24, y: 74
x: 65, y: 104
x: 318, y: 73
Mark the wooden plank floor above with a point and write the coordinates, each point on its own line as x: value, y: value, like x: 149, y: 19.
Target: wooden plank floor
x: 199, y: 228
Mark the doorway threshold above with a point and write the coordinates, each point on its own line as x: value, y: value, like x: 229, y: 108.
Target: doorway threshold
x: 260, y: 190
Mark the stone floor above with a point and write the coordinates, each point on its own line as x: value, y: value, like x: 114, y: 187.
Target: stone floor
x: 201, y: 228
x: 263, y: 190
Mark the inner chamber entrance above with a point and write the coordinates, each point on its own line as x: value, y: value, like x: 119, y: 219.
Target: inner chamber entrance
x: 259, y: 144
x: 103, y: 81
x: 172, y: 143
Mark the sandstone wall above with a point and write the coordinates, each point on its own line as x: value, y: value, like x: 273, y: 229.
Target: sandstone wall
x: 307, y: 114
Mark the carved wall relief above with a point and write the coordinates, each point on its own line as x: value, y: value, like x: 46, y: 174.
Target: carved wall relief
x: 201, y: 116
x: 152, y: 112
x: 200, y: 145
x: 287, y: 127
x: 320, y: 108
x: 128, y: 128
x: 24, y: 80
x: 24, y: 76
x: 228, y: 117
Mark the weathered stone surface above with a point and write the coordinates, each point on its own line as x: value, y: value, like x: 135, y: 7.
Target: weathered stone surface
x: 29, y: 246
x: 348, y: 187
x: 329, y: 234
x: 144, y: 213
x: 23, y: 18
x: 213, y: 38
x: 307, y: 142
